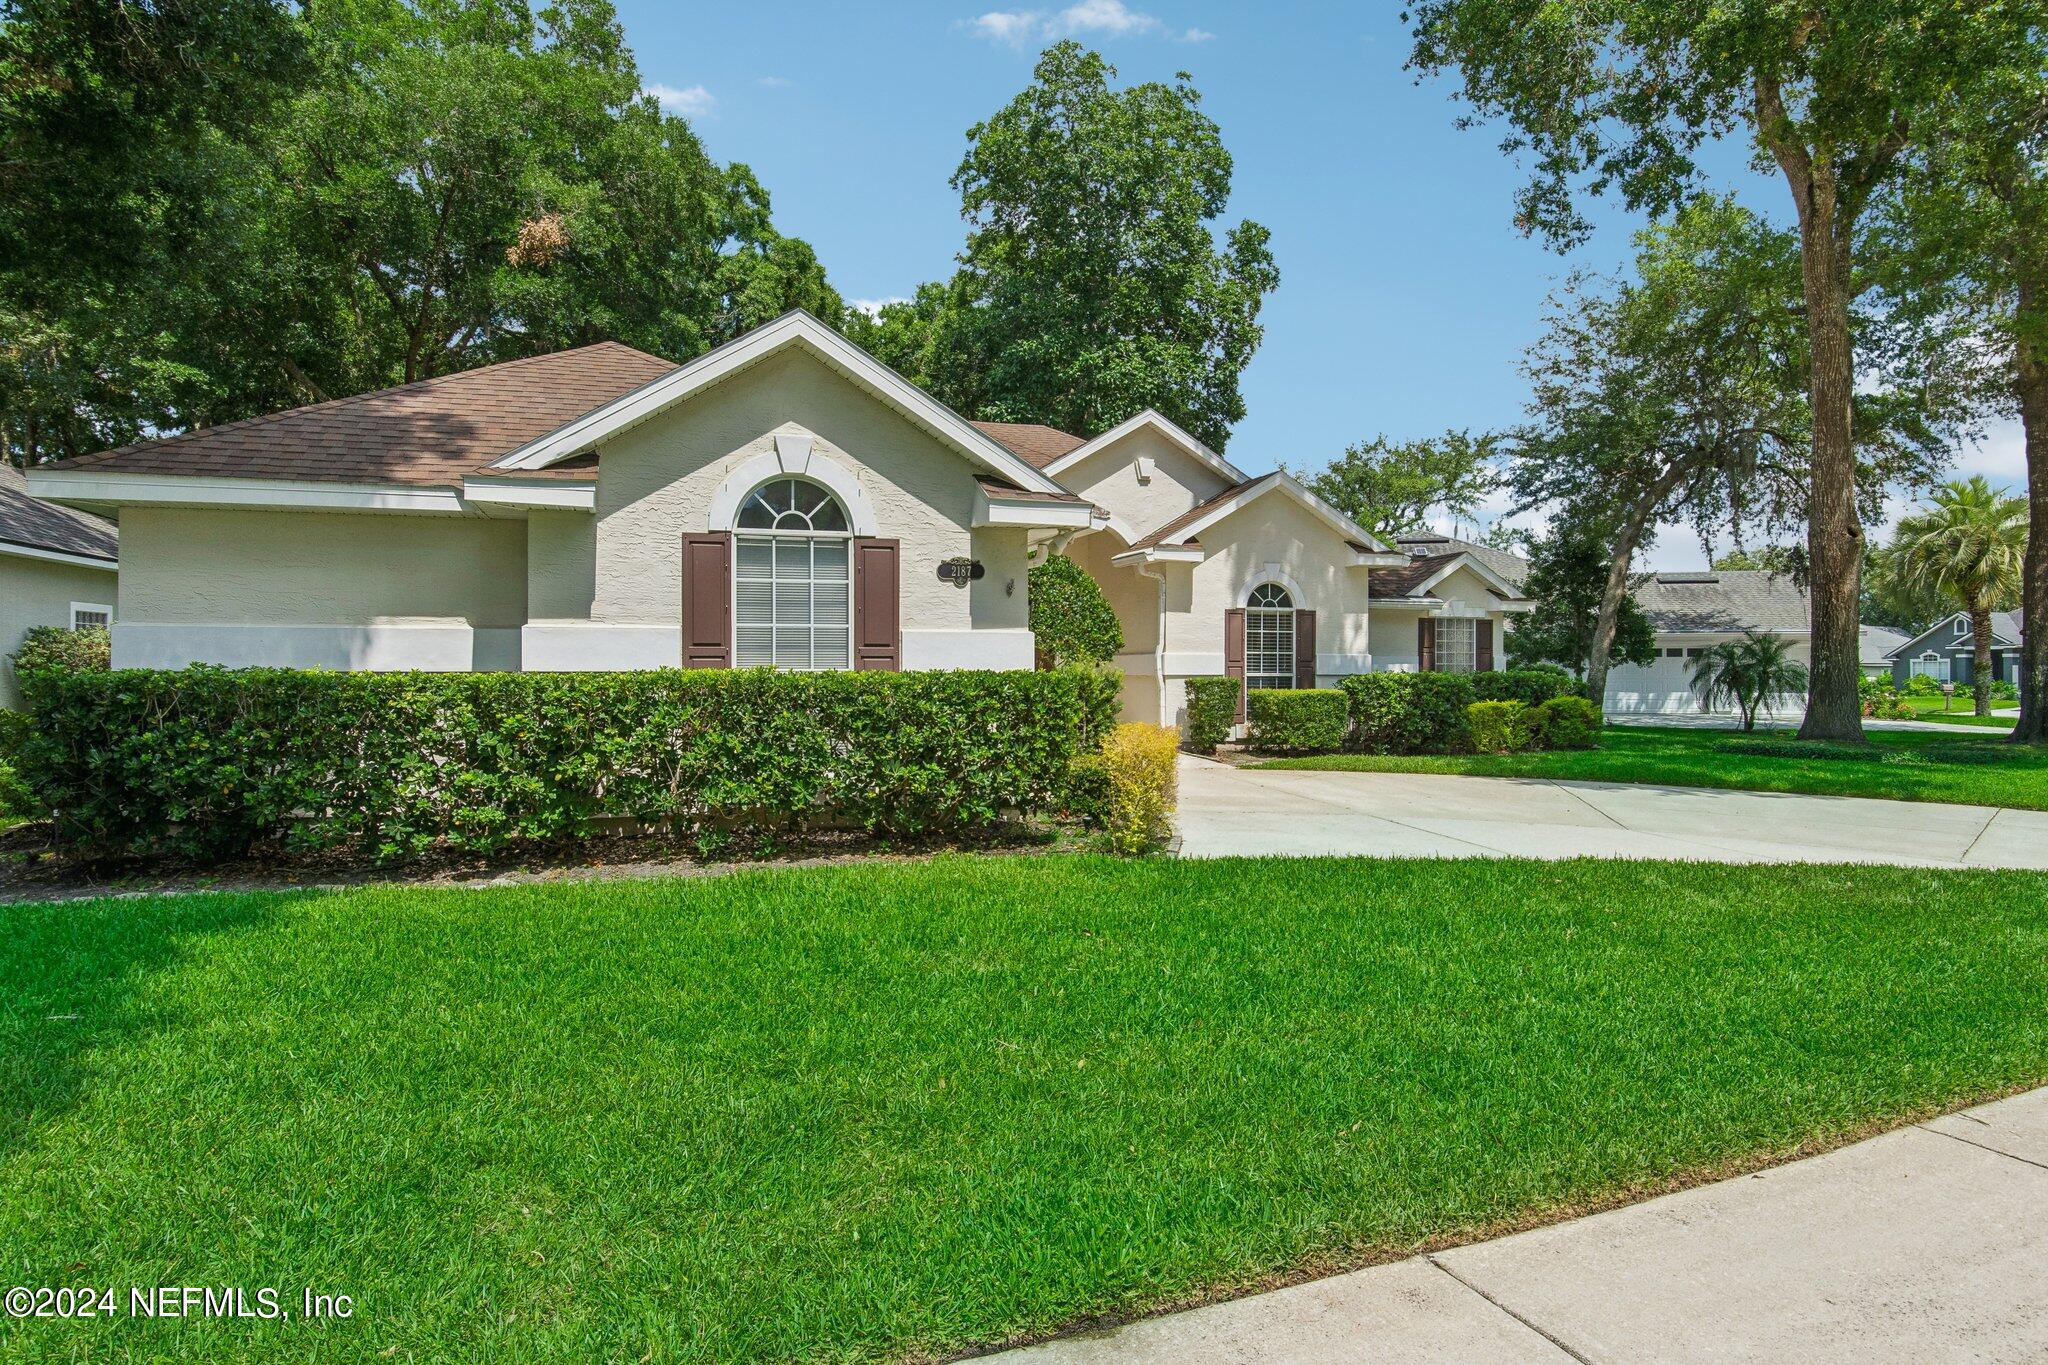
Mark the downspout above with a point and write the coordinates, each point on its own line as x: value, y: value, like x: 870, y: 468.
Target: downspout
x: 1159, y: 652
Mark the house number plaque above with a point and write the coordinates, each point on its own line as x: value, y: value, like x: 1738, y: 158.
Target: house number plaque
x: 960, y: 570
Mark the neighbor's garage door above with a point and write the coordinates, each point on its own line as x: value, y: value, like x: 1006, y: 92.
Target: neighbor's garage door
x: 1660, y: 689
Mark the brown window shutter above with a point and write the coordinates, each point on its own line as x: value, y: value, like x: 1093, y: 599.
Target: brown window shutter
x: 707, y: 600
x: 1482, y: 646
x: 1425, y: 644
x: 1233, y: 652
x: 877, y: 604
x: 1304, y: 649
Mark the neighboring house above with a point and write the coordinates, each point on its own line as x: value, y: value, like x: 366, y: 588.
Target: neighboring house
x: 784, y: 500
x: 57, y: 568
x: 1691, y: 612
x: 1875, y: 646
x: 1947, y: 651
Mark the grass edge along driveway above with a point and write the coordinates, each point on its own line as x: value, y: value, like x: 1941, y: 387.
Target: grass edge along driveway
x: 1897, y: 765
x: 898, y: 1110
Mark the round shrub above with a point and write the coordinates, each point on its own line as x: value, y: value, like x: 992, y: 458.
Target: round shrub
x: 1497, y: 727
x: 1212, y: 710
x: 1570, y: 723
x: 1297, y: 720
x: 1920, y: 685
x: 1073, y: 621
x: 54, y: 649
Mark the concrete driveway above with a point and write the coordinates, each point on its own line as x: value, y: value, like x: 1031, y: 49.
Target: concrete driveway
x: 1226, y: 811
x: 1929, y: 1243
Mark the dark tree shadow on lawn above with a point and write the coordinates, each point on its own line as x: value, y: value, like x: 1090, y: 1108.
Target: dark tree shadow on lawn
x: 71, y: 977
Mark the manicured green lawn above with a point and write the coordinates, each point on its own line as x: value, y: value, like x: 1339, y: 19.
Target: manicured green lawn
x: 1960, y: 712
x: 869, y: 1111
x: 1899, y: 765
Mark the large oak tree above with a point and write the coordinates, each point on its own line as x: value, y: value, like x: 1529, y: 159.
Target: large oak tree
x: 1623, y: 95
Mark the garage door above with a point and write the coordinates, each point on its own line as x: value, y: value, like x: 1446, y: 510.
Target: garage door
x: 1663, y: 688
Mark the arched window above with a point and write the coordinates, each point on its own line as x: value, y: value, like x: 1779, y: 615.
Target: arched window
x: 1269, y: 637
x: 792, y: 584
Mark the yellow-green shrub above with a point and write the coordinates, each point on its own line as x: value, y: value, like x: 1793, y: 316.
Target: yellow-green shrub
x: 1140, y: 760
x: 1498, y: 727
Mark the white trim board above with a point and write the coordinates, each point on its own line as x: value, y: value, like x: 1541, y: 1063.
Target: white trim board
x: 85, y: 486
x: 1171, y: 430
x: 791, y: 329
x: 8, y: 547
x: 1378, y: 556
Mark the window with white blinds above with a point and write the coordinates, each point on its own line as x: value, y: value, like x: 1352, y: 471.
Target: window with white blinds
x: 792, y: 579
x: 1269, y: 637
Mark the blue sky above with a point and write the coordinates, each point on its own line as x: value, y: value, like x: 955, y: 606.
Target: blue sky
x: 1405, y: 295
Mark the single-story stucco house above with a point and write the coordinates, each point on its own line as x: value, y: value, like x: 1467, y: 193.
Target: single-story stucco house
x: 57, y: 568
x: 783, y: 500
x: 1947, y: 651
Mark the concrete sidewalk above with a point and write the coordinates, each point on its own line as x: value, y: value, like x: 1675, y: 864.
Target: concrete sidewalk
x: 1929, y: 1243
x: 1226, y: 810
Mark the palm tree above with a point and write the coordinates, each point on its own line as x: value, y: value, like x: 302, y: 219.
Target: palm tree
x: 1971, y: 543
x: 1750, y: 672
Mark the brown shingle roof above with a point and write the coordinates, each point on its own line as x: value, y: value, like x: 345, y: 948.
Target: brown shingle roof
x: 1038, y: 446
x: 429, y: 433
x: 1401, y: 582
x: 1003, y: 488
x: 28, y: 521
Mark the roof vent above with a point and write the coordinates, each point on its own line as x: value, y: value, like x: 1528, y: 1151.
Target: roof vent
x: 1688, y: 578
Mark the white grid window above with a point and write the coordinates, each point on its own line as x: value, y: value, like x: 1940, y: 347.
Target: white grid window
x: 1933, y: 666
x: 87, y: 614
x: 793, y: 579
x: 1269, y: 637
x: 1457, y: 645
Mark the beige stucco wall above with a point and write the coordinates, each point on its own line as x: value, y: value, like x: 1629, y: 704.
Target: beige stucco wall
x: 221, y: 566
x: 1109, y: 479
x: 37, y: 592
x: 1276, y: 536
x: 657, y: 481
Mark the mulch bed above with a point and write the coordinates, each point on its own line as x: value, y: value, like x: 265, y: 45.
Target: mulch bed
x: 32, y: 868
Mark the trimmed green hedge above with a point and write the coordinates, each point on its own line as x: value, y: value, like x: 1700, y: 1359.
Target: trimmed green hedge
x: 1567, y: 723
x: 1498, y: 727
x: 1301, y: 720
x: 1532, y: 686
x: 207, y: 762
x: 1212, y: 710
x: 1409, y: 713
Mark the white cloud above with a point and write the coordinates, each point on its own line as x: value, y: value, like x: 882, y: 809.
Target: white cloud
x: 692, y: 102
x: 1105, y: 18
x: 874, y: 306
x: 774, y: 82
x: 1015, y: 27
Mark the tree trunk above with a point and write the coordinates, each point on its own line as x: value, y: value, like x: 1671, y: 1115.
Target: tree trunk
x: 1834, y: 533
x: 1626, y: 538
x: 2033, y: 395
x: 1980, y: 659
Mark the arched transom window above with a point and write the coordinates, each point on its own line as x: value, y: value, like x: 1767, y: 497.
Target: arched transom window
x: 1269, y: 637
x: 792, y: 584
